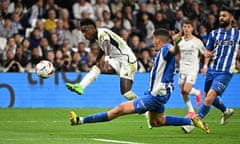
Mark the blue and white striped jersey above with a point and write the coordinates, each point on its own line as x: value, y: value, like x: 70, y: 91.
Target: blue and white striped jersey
x: 224, y: 44
x: 162, y: 73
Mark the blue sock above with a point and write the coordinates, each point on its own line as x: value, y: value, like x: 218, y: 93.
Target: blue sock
x: 98, y: 117
x: 218, y: 104
x: 203, y: 110
x: 177, y: 121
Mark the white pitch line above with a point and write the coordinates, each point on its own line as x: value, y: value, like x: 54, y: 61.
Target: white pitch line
x: 115, y: 141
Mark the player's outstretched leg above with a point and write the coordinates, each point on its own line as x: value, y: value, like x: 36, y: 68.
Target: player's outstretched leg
x: 188, y: 128
x: 148, y: 121
x: 226, y: 115
x: 74, y: 119
x: 197, y: 121
x: 75, y: 88
x: 199, y: 98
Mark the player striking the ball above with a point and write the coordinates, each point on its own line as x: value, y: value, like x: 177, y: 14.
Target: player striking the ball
x: 118, y: 59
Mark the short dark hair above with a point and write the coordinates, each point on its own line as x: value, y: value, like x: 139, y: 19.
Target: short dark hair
x: 161, y: 32
x: 87, y: 21
x: 187, y: 21
x: 226, y: 8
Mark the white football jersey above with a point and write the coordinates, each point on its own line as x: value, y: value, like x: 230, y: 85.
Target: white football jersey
x: 119, y: 48
x: 189, y: 54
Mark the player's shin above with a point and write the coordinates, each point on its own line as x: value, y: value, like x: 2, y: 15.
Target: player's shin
x: 177, y: 121
x: 90, y: 77
x: 94, y: 118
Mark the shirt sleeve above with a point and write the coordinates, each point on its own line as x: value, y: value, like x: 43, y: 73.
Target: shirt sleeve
x: 166, y: 53
x: 210, y: 41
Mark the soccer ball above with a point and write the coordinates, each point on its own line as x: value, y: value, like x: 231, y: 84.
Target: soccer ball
x: 44, y: 69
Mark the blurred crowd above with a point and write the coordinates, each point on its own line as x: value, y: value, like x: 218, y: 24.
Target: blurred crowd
x: 32, y: 30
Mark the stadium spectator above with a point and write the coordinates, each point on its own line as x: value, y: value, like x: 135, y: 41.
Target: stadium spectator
x: 43, y: 33
x: 117, y: 27
x: 76, y: 61
x: 177, y: 26
x: 7, y: 29
x: 186, y: 8
x: 54, y: 42
x: 51, y: 57
x: 81, y: 6
x: 50, y: 24
x: 62, y: 32
x: 37, y: 11
x: 16, y: 23
x: 17, y: 6
x: 4, y: 8
x: 35, y: 38
x: 203, y: 34
x: 106, y: 21
x: 18, y: 38
x: 67, y: 64
x: 129, y: 17
x: 139, y: 19
x: 134, y: 43
x: 92, y: 55
x: 114, y: 6
x: 44, y: 47
x: 83, y: 50
x: 167, y: 12
x: 160, y: 21
x: 149, y: 29
x: 12, y: 65
x: 51, y: 5
x: 125, y: 35
x: 20, y: 57
x: 11, y: 45
x: 99, y: 7
x: 35, y: 58
x: 67, y: 21
x: 211, y: 22
x: 26, y: 48
x: 66, y: 47
x: 152, y: 6
x: 145, y: 62
x: 58, y: 60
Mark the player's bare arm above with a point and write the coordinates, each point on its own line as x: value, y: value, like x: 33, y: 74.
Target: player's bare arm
x: 106, y: 45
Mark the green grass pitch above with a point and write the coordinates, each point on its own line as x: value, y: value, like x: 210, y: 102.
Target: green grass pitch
x: 51, y: 126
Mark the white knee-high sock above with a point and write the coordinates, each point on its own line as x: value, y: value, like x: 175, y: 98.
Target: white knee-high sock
x: 90, y: 77
x: 194, y: 92
x: 188, y: 103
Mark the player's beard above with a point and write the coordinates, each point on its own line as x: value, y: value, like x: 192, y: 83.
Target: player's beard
x: 224, y: 24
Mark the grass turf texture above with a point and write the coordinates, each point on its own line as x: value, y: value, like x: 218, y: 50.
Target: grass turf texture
x: 51, y: 126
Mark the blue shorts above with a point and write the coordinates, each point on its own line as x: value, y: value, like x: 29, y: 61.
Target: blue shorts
x: 150, y: 103
x: 217, y: 81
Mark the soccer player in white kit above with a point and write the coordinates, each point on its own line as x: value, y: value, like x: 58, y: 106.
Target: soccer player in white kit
x: 118, y: 59
x: 190, y: 49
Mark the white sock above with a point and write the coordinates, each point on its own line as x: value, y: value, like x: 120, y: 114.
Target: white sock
x: 194, y: 92
x: 90, y: 77
x: 188, y: 103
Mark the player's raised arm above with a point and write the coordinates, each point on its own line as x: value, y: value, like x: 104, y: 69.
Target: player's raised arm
x: 106, y: 45
x: 176, y: 39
